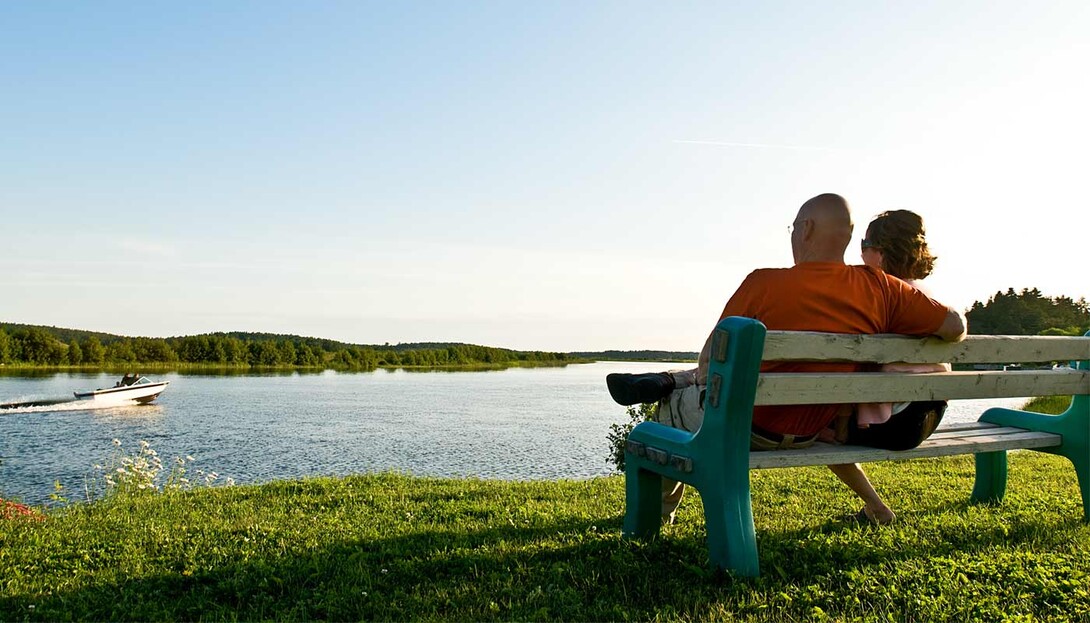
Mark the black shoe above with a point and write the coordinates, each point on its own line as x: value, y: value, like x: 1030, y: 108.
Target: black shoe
x: 630, y: 389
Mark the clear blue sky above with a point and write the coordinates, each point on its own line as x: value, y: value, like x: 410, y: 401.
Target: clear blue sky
x: 554, y: 175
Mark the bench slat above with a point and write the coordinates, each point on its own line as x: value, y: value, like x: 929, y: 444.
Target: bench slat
x: 826, y: 388
x: 1002, y: 438
x: 995, y: 349
x: 966, y: 426
x: 962, y: 434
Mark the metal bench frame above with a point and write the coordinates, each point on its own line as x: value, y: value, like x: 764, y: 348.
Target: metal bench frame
x: 716, y: 459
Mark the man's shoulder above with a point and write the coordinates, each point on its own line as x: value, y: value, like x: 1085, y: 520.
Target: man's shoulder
x: 764, y: 272
x: 869, y: 270
x: 824, y: 274
x: 765, y: 277
x: 828, y: 269
x: 877, y: 275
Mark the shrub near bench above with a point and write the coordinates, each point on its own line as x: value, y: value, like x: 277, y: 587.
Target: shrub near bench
x: 716, y: 459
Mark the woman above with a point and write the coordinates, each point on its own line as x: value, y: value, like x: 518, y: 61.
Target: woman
x: 895, y: 243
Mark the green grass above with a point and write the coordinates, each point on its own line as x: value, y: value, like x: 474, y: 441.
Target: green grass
x: 396, y: 547
x: 1048, y: 404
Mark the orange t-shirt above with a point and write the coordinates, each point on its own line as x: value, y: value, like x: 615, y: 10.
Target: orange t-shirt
x: 832, y: 298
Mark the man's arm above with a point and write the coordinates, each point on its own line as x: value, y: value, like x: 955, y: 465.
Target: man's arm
x: 953, y: 326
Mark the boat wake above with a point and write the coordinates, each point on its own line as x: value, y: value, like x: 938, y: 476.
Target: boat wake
x: 48, y: 405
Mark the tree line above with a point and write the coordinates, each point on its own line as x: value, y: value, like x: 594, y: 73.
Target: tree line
x: 1029, y: 313
x: 32, y: 345
x: 1006, y: 313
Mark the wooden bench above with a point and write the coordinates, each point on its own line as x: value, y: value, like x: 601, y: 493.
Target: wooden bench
x: 716, y: 459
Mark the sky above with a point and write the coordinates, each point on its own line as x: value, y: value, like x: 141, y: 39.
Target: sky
x: 563, y: 175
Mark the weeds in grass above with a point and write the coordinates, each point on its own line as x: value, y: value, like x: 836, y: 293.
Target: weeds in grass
x: 618, y: 433
x: 14, y: 510
x: 143, y: 472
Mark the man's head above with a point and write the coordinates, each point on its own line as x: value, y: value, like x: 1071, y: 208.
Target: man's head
x: 822, y: 230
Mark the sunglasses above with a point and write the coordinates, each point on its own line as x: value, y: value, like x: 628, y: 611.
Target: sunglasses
x: 865, y: 244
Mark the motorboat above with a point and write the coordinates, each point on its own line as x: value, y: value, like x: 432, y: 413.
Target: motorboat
x: 131, y: 387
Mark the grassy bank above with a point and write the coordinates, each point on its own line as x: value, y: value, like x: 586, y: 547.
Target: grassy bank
x: 396, y: 547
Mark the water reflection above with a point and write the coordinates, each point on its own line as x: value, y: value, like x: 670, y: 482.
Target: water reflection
x: 129, y: 411
x: 30, y: 373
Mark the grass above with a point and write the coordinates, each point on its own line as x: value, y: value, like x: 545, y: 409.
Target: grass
x: 396, y: 547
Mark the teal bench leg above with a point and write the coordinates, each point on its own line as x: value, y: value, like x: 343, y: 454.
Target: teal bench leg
x: 732, y: 540
x: 643, y: 501
x: 1073, y: 425
x: 1076, y: 445
x: 1082, y: 469
x: 991, y: 477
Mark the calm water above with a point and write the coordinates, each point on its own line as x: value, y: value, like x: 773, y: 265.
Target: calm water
x: 524, y: 424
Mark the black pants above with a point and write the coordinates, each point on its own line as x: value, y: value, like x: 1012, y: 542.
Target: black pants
x: 903, y: 431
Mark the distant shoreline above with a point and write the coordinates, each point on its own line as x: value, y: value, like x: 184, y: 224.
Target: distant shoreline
x: 38, y: 347
x: 161, y: 367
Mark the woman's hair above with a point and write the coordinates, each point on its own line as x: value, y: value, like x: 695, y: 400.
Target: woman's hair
x: 900, y: 236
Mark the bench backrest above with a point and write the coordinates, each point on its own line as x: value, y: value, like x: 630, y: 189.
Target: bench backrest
x: 735, y: 384
x: 992, y: 351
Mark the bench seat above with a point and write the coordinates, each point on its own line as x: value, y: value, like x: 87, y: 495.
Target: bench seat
x: 970, y: 438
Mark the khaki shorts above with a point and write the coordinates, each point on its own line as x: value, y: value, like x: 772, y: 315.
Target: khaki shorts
x: 683, y: 408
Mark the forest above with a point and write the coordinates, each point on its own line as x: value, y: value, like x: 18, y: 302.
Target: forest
x: 1029, y: 313
x: 32, y: 345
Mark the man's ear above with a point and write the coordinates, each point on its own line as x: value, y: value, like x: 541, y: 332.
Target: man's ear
x: 808, y: 229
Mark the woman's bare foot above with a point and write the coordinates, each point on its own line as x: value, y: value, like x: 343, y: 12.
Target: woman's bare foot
x: 878, y: 514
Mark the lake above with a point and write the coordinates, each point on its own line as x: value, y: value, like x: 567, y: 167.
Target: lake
x: 520, y: 423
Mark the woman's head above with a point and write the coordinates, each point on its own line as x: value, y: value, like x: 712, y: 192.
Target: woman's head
x: 896, y: 243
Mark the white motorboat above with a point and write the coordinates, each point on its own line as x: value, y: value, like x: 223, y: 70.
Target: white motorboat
x: 134, y: 387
